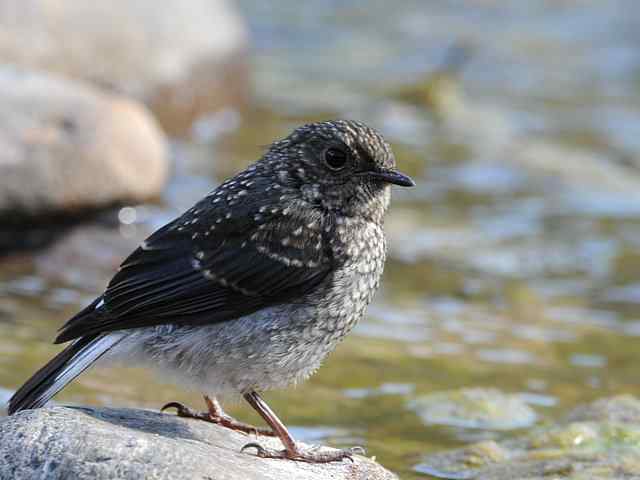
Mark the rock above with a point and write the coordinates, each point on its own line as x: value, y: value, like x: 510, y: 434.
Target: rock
x: 601, y: 440
x: 483, y: 408
x: 107, y: 443
x: 86, y: 257
x: 182, y: 57
x: 67, y: 147
x: 621, y: 409
x: 575, y: 167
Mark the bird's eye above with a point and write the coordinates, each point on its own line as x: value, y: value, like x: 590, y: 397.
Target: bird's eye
x: 335, y: 158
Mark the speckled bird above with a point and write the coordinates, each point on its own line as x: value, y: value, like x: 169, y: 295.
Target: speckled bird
x: 252, y: 287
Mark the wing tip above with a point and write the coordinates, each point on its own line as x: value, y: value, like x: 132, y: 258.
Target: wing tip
x: 78, y: 325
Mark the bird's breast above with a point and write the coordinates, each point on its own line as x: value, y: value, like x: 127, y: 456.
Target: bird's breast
x: 361, y: 248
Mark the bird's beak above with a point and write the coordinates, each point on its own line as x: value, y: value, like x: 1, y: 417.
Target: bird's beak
x: 393, y: 176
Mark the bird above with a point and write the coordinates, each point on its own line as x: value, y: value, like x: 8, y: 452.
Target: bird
x: 252, y: 287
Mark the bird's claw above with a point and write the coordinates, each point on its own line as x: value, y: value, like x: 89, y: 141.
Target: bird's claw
x: 260, y: 450
x: 222, y: 420
x: 176, y: 405
x: 311, y: 455
x: 183, y: 411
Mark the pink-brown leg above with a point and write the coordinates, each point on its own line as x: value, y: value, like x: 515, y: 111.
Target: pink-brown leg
x: 291, y: 450
x: 215, y: 414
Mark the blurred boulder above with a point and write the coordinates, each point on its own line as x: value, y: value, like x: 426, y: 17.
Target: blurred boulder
x: 479, y: 408
x: 66, y: 147
x: 182, y: 57
x: 599, y: 440
x: 86, y: 257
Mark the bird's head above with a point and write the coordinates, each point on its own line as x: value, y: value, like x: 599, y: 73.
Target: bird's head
x: 342, y: 166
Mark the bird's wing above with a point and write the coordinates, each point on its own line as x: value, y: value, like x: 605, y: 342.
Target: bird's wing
x: 202, y: 275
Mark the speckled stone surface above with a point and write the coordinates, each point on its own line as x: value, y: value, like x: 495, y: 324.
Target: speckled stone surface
x: 105, y: 443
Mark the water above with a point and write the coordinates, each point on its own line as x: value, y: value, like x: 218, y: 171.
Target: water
x: 513, y: 265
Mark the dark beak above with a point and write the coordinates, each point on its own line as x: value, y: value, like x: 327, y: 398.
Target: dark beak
x: 393, y: 176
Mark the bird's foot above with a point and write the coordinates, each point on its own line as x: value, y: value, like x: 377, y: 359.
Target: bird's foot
x: 309, y: 455
x: 223, y: 420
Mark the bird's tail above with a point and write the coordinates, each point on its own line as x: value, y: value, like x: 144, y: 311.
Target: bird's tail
x: 61, y: 370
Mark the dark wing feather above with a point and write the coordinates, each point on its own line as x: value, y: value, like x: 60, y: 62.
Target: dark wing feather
x: 174, y: 278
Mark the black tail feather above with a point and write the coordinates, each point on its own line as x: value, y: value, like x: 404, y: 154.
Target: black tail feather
x: 38, y: 389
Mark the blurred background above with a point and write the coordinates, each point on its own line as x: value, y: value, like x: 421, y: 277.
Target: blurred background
x: 512, y: 289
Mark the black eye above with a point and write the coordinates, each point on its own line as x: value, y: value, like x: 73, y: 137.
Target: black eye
x: 335, y: 158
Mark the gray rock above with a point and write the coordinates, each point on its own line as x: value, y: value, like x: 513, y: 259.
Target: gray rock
x: 85, y: 258
x: 65, y: 146
x: 181, y: 57
x: 599, y: 440
x: 482, y: 408
x: 87, y: 443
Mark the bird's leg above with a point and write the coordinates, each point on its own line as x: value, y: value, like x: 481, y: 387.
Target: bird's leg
x: 215, y: 414
x: 291, y: 449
